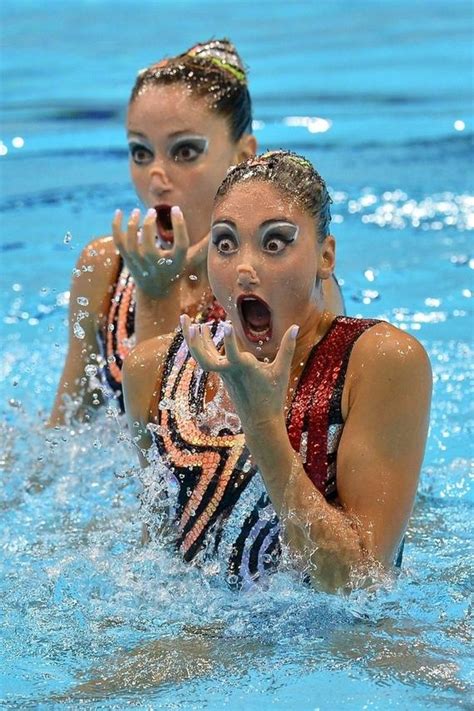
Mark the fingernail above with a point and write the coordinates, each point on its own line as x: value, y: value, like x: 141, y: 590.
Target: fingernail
x: 294, y: 331
x: 117, y: 212
x: 151, y: 212
x: 227, y: 329
x: 176, y: 211
x: 192, y: 331
x: 181, y: 319
x: 135, y: 212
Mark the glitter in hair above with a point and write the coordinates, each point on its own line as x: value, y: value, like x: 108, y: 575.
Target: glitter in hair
x: 294, y: 176
x: 211, y: 70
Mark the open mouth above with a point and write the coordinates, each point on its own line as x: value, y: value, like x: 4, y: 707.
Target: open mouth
x: 256, y: 318
x: 164, y: 224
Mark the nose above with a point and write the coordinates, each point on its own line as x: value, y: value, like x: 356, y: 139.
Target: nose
x: 159, y: 179
x: 247, y: 276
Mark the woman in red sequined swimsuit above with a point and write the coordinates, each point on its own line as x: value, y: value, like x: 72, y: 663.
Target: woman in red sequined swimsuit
x: 189, y: 119
x: 330, y: 413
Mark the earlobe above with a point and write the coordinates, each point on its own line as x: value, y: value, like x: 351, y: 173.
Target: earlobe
x: 327, y: 258
x: 246, y: 148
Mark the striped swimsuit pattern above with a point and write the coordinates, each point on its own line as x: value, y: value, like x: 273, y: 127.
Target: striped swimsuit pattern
x: 222, y: 507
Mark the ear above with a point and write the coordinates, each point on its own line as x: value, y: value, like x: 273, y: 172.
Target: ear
x: 327, y: 258
x: 246, y: 148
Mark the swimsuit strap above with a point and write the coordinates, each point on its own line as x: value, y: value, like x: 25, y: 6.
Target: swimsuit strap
x: 315, y: 419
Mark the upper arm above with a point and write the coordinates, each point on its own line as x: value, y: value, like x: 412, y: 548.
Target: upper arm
x: 142, y: 371
x: 382, y: 445
x: 91, y: 287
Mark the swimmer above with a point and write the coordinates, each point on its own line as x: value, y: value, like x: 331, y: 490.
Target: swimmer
x: 285, y: 422
x: 189, y: 119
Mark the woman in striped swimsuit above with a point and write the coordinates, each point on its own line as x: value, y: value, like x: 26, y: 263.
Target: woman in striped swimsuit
x: 189, y: 118
x: 289, y: 422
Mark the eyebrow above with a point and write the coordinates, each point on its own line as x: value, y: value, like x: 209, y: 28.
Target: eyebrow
x: 224, y: 222
x: 231, y: 223
x: 175, y: 134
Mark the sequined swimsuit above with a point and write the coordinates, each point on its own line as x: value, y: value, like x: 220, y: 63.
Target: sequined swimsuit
x: 118, y: 337
x: 221, y: 504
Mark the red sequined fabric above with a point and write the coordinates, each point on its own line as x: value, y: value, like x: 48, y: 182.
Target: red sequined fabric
x: 315, y: 421
x: 213, y: 471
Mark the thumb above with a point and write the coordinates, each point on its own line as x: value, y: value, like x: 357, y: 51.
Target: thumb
x: 198, y: 252
x: 286, y: 352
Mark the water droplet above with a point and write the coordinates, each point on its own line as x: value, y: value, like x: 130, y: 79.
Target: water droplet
x: 111, y: 359
x: 161, y: 261
x: 82, y: 301
x: 90, y: 370
x: 79, y: 331
x: 193, y: 277
x: 111, y: 327
x: 168, y: 261
x: 67, y: 238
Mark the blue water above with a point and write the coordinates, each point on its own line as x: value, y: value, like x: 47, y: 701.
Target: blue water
x: 88, y: 615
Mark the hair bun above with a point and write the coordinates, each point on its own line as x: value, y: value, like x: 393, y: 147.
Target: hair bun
x: 221, y: 52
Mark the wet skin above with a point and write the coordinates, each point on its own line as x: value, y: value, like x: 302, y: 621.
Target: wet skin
x: 271, y: 252
x: 180, y: 151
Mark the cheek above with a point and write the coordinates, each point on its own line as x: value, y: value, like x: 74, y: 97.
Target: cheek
x: 220, y: 278
x: 139, y: 180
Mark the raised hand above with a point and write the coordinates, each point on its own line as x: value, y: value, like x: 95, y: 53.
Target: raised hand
x: 155, y: 269
x: 257, y: 389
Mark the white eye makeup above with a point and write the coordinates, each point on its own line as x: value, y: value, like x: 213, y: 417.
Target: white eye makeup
x: 187, y: 149
x: 277, y: 235
x: 140, y: 152
x: 224, y: 237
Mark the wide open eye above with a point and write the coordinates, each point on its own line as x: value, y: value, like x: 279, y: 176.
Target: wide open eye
x: 278, y: 235
x: 188, y: 149
x: 140, y: 154
x: 224, y: 239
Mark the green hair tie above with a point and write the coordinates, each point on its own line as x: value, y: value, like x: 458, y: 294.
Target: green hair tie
x: 237, y: 73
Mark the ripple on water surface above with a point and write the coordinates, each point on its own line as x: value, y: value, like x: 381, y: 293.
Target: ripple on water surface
x: 93, y: 615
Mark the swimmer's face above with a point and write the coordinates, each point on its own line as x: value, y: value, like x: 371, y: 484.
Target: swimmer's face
x: 179, y: 152
x: 265, y: 264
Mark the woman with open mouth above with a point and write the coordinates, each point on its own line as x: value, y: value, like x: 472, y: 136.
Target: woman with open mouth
x: 189, y: 119
x: 284, y: 423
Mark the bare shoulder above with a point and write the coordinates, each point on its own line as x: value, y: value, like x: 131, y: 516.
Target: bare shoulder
x: 388, y: 349
x: 147, y: 356
x: 95, y: 273
x: 387, y: 363
x: 142, y: 372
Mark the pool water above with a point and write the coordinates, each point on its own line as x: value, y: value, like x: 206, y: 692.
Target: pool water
x: 378, y: 95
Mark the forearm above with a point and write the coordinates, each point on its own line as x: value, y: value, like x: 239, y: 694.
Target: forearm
x: 323, y: 536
